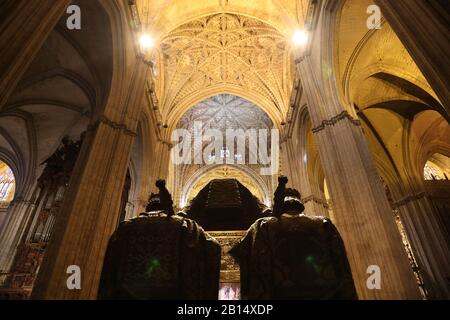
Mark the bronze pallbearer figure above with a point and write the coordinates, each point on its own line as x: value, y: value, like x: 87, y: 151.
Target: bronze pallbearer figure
x: 293, y: 256
x: 160, y: 255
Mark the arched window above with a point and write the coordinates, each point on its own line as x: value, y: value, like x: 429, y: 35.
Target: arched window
x: 437, y: 168
x: 7, y: 185
x: 431, y: 172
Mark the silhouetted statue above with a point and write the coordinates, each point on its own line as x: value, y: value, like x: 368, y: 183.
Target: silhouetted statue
x: 165, y: 197
x: 59, y: 166
x: 153, y: 205
x: 159, y: 255
x: 293, y: 256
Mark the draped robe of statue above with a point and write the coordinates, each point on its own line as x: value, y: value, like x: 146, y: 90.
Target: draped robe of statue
x: 293, y: 256
x: 161, y: 256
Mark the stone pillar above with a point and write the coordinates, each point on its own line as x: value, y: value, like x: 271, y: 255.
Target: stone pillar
x: 286, y: 163
x: 162, y: 160
x: 138, y: 207
x: 314, y: 201
x: 90, y: 209
x: 422, y: 27
x: 130, y: 209
x: 156, y: 166
x: 428, y: 243
x: 361, y: 209
x: 12, y: 232
x: 24, y: 27
x: 312, y: 197
x: 14, y: 226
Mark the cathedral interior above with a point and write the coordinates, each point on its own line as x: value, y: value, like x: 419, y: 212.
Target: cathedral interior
x: 348, y: 169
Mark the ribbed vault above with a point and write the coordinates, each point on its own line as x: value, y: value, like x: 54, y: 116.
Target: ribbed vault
x: 224, y: 53
x: 161, y: 16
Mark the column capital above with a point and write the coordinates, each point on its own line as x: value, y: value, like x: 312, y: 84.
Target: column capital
x: 332, y: 121
x: 409, y: 199
x: 20, y: 200
x: 315, y: 199
x: 112, y: 124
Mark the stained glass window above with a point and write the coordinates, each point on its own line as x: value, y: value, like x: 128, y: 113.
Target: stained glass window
x: 7, y: 185
x: 431, y: 172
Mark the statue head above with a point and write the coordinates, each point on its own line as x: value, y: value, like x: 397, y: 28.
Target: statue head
x: 165, y: 197
x: 292, y: 201
x: 154, y: 203
x: 160, y: 184
x: 161, y: 201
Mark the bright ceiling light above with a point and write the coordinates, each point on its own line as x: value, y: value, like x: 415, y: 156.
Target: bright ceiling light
x: 146, y: 41
x: 300, y: 38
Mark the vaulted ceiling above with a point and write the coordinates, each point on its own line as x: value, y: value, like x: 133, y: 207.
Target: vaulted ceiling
x: 67, y: 80
x: 204, y: 48
x: 226, y: 111
x: 224, y: 53
x: 162, y: 16
x: 403, y: 120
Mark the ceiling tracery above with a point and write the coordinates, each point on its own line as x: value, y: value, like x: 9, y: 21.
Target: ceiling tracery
x: 222, y: 112
x: 228, y: 51
x: 226, y: 111
x: 161, y: 16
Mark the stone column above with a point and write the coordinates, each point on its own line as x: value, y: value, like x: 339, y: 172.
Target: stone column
x: 312, y: 197
x: 130, y: 209
x: 24, y: 27
x: 90, y: 209
x: 162, y: 160
x: 14, y: 226
x: 12, y: 231
x: 361, y: 209
x: 422, y: 27
x: 427, y: 242
x: 138, y: 207
x: 286, y: 163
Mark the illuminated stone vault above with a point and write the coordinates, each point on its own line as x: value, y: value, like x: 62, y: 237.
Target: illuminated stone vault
x: 222, y: 112
x: 226, y: 111
x: 224, y: 53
